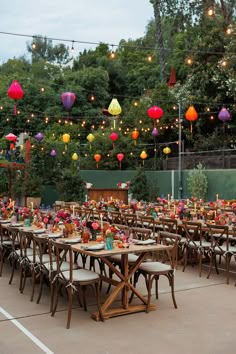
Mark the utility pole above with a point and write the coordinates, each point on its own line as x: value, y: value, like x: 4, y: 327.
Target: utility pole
x: 180, y: 189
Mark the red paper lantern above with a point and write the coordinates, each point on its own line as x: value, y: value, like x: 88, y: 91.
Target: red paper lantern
x: 155, y: 113
x: 120, y: 157
x: 191, y: 115
x: 12, y: 138
x: 97, y: 158
x: 15, y: 92
x: 114, y: 136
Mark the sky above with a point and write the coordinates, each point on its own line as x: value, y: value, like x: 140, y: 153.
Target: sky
x: 96, y: 21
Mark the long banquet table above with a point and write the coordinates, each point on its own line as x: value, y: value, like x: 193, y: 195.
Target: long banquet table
x: 123, y: 286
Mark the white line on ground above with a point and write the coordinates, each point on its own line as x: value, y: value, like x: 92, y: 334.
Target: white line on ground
x: 26, y: 332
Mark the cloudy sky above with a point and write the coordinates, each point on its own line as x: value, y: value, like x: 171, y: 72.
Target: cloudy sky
x: 81, y: 20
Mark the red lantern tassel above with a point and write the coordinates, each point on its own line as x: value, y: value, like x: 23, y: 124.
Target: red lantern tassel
x: 97, y: 164
x: 15, y: 109
x: 120, y: 164
x: 12, y: 146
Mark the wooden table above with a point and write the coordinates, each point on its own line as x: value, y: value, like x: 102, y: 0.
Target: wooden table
x: 123, y: 285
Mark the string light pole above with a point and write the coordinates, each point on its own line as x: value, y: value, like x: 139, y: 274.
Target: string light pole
x: 180, y: 186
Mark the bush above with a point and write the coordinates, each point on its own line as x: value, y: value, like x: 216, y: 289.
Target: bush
x: 139, y: 186
x: 197, y: 182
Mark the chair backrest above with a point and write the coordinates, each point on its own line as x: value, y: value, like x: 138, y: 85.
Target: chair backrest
x: 14, y: 237
x: 26, y: 242
x: 141, y: 233
x: 193, y: 231
x: 124, y: 228
x: 63, y: 253
x: 148, y: 222
x: 40, y: 247
x: 219, y: 236
x: 169, y: 239
x: 169, y: 225
x: 129, y: 219
x: 115, y: 217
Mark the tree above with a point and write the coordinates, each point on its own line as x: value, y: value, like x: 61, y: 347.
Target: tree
x: 71, y: 187
x: 139, y: 186
x: 197, y: 182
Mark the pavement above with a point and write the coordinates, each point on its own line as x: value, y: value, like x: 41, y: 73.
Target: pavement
x: 203, y: 323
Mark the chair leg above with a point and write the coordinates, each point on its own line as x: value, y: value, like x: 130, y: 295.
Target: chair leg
x: 149, y: 289
x: 33, y: 285
x: 70, y: 299
x: 40, y: 287
x: 98, y: 298
x: 171, y: 282
x: 84, y: 288
x: 12, y: 270
x: 211, y: 264
x: 156, y: 285
x: 56, y: 294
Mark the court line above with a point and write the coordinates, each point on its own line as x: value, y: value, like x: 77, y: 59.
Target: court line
x: 26, y: 332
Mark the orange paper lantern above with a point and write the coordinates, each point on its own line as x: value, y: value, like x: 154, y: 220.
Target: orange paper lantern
x: 97, y: 158
x: 135, y: 135
x: 191, y: 115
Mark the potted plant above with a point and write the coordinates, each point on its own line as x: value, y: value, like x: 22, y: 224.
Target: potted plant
x: 197, y: 182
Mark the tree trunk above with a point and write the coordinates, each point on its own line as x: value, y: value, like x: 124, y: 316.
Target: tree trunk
x: 159, y: 38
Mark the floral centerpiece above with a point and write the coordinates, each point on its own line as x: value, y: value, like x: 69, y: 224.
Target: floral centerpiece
x: 123, y: 185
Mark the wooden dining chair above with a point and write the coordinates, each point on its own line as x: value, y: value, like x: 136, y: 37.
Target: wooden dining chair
x: 196, y: 246
x: 152, y: 270
x: 11, y: 249
x: 73, y: 280
x: 220, y: 247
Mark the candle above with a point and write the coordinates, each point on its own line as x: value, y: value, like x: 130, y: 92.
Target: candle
x: 13, y: 204
x: 168, y: 197
x: 32, y: 206
x: 174, y: 209
x: 73, y: 211
x: 195, y: 207
x: 217, y: 197
x: 101, y: 221
x: 86, y: 197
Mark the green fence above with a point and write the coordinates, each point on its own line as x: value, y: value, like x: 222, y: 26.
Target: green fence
x: 221, y: 182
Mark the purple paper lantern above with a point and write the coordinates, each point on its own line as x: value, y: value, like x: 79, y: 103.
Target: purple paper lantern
x: 39, y: 137
x: 224, y: 115
x: 68, y: 99
x: 53, y: 153
x: 155, y: 132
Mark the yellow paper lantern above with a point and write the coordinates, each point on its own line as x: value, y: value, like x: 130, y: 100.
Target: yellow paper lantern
x: 114, y: 109
x: 90, y: 139
x: 75, y: 156
x: 167, y: 151
x: 66, y: 139
x: 143, y: 155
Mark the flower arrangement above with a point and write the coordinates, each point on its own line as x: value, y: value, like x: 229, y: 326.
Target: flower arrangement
x: 87, y: 185
x: 123, y: 185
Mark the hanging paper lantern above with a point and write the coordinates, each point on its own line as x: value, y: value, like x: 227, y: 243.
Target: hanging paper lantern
x: 12, y: 138
x: 114, y: 109
x: 155, y: 132
x: 97, y: 158
x: 90, y: 139
x: 114, y: 136
x: 15, y: 92
x: 120, y: 157
x: 167, y: 151
x: 155, y: 113
x: 39, y: 137
x: 135, y: 135
x: 224, y: 115
x: 75, y: 156
x: 143, y: 155
x: 68, y: 99
x: 53, y: 153
x: 191, y: 115
x: 66, y: 139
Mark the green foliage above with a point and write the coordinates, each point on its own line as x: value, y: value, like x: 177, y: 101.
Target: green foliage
x: 70, y: 187
x: 139, y: 186
x: 197, y: 182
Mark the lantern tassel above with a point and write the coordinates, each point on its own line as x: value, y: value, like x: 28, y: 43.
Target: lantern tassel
x: 97, y: 164
x: 114, y: 123
x: 65, y: 147
x: 120, y: 164
x: 191, y: 128
x: 15, y: 109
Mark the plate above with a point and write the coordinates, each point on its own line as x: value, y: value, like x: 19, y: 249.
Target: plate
x: 149, y: 241
x: 95, y: 247
x: 7, y: 221
x: 40, y: 231
x: 72, y: 240
x: 16, y: 225
x: 55, y: 235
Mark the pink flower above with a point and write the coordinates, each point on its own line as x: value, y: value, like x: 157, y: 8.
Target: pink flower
x: 45, y: 220
x: 95, y: 225
x: 56, y: 220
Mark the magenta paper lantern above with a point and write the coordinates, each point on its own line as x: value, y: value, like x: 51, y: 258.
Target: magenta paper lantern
x: 15, y: 92
x: 68, y: 99
x: 224, y: 115
x: 53, y: 153
x: 120, y: 157
x: 155, y: 132
x: 155, y: 113
x: 39, y: 137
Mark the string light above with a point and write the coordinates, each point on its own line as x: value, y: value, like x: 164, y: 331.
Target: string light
x: 113, y: 54
x: 189, y: 61
x: 149, y: 58
x: 211, y: 11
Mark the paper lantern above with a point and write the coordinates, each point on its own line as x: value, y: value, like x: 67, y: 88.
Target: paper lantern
x: 12, y: 138
x: 135, y: 135
x: 114, y: 109
x: 114, y: 136
x: 66, y: 139
x: 143, y: 155
x: 167, y: 151
x: 97, y: 158
x: 90, y: 138
x: 15, y: 92
x: 68, y: 99
x: 39, y: 137
x: 120, y: 157
x: 155, y: 113
x: 75, y: 156
x: 224, y: 115
x: 155, y: 132
x: 191, y: 115
x: 53, y: 153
